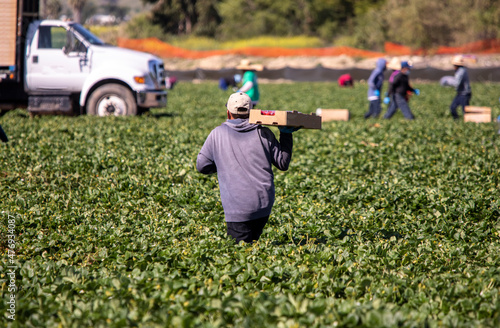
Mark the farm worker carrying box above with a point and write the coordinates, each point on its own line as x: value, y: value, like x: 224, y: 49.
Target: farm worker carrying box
x: 242, y: 155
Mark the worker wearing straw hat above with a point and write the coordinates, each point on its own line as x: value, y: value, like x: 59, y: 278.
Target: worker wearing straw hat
x: 462, y: 86
x: 249, y: 80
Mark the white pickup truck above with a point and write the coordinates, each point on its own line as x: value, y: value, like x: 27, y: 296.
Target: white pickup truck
x: 59, y: 67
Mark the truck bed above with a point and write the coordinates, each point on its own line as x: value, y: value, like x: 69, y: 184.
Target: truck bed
x: 8, y: 17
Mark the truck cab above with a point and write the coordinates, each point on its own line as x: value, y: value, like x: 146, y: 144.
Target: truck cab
x: 63, y: 58
x: 62, y: 68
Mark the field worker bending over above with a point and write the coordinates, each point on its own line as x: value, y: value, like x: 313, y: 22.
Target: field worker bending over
x: 375, y: 82
x: 345, y: 80
x: 230, y: 82
x: 462, y: 86
x: 242, y: 155
x: 249, y: 83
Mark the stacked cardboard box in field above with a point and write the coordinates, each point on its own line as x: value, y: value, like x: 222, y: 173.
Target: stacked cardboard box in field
x: 477, y: 114
x: 285, y: 118
x: 333, y: 114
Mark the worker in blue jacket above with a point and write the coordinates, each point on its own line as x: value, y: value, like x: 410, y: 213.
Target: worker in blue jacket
x: 375, y: 82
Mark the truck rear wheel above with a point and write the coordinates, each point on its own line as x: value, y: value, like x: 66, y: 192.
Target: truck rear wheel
x: 111, y: 99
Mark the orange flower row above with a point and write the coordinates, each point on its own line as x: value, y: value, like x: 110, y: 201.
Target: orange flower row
x: 165, y: 50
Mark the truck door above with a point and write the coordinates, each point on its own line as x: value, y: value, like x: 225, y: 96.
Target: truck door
x: 57, y: 61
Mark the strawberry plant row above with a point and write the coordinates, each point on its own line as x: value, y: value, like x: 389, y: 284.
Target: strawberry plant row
x: 377, y: 223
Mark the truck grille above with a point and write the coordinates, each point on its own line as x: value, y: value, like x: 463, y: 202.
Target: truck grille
x: 158, y: 73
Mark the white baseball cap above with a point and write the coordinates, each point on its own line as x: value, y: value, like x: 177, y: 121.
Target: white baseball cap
x: 239, y: 103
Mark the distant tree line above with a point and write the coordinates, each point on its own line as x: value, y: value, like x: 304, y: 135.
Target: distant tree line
x: 80, y: 10
x: 361, y: 23
x: 229, y: 19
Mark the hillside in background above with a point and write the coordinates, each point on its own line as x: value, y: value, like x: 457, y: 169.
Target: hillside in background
x: 365, y: 24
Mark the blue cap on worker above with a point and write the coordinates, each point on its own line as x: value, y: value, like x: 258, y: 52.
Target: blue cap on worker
x: 405, y: 64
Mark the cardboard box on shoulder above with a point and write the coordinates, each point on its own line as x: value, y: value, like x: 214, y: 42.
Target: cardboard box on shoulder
x: 285, y: 118
x: 477, y: 114
x: 333, y: 114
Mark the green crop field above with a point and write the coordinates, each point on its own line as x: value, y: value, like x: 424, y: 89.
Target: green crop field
x: 106, y: 222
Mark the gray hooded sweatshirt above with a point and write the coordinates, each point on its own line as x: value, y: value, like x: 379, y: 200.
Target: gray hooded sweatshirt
x: 461, y: 81
x: 242, y: 155
x: 376, y: 80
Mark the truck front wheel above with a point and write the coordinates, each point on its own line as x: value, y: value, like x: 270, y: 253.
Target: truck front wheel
x: 112, y: 99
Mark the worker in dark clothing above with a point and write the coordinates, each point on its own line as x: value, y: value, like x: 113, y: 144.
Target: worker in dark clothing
x: 3, y: 136
x: 229, y: 82
x: 398, y: 91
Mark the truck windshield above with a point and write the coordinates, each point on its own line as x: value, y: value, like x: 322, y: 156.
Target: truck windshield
x: 91, y: 38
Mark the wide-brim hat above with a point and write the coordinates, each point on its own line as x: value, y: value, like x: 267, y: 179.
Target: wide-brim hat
x: 458, y: 60
x: 394, y: 64
x: 247, y: 65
